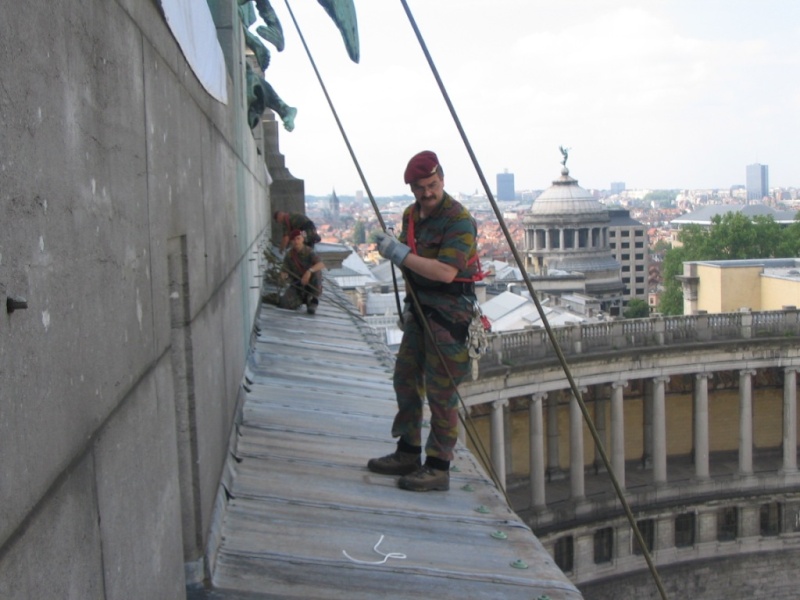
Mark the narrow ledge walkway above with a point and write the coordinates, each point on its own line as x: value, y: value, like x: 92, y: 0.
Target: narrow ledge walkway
x: 304, y: 515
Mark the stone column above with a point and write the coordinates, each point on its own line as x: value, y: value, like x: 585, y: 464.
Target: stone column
x: 749, y: 521
x: 647, y: 424
x: 701, y: 469
x: 537, y: 451
x: 746, y: 422
x: 576, y: 463
x: 508, y: 426
x: 553, y: 464
x: 618, y: 432
x: 790, y: 419
x: 499, y: 442
x: 706, y: 526
x: 561, y: 238
x: 602, y: 431
x: 659, y: 430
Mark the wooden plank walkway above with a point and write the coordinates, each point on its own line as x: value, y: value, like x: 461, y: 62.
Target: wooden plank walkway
x: 305, y: 515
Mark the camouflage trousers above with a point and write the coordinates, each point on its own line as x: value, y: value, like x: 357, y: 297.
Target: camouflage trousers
x: 420, y: 372
x: 297, y: 294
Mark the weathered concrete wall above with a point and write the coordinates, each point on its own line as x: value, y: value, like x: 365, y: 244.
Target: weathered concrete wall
x: 773, y: 576
x: 131, y: 208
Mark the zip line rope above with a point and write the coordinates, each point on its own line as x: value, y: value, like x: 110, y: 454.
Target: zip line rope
x: 463, y: 415
x: 575, y: 390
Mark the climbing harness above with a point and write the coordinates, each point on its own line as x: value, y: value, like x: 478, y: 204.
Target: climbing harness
x: 477, y: 338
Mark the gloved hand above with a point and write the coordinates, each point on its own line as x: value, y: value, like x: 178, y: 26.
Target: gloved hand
x: 390, y: 248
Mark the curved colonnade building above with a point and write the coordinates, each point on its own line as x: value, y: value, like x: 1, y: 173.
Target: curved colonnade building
x: 697, y: 416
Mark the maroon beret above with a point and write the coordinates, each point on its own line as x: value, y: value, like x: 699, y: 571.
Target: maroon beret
x: 294, y: 233
x: 421, y: 165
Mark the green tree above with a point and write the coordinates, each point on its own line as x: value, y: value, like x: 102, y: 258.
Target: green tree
x: 359, y: 233
x: 733, y: 236
x: 790, y: 242
x: 661, y: 246
x: 671, y: 302
x: 636, y: 309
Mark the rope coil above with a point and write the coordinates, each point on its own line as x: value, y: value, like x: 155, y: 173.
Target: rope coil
x: 386, y: 556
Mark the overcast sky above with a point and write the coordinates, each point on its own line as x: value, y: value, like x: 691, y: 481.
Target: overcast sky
x: 658, y: 93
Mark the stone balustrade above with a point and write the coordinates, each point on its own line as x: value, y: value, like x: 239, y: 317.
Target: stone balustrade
x: 530, y: 345
x: 684, y: 497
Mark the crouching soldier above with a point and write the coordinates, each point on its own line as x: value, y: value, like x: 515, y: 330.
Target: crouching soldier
x: 292, y: 221
x: 302, y: 267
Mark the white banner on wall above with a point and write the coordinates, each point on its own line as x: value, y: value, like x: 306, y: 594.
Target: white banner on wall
x: 193, y: 27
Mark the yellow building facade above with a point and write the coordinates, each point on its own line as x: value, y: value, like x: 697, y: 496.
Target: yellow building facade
x: 722, y: 286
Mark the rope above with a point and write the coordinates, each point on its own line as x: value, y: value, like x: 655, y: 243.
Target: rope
x: 386, y: 557
x: 277, y: 262
x: 346, y: 141
x: 575, y: 390
x: 468, y: 426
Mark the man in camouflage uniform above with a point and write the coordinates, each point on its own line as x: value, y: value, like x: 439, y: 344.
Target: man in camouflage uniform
x: 291, y: 221
x: 301, y: 266
x: 437, y: 253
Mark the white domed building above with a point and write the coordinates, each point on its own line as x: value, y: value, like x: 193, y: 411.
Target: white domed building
x: 566, y: 238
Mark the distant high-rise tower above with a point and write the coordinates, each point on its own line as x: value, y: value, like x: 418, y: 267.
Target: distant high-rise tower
x: 617, y: 187
x: 505, y: 186
x: 757, y: 181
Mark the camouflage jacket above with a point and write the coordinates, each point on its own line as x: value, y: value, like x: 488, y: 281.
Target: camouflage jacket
x: 448, y: 235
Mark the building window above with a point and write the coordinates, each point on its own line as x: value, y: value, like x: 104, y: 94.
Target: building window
x: 626, y: 268
x: 647, y: 527
x: 563, y: 553
x: 603, y: 545
x: 640, y: 292
x: 640, y: 280
x: 626, y: 257
x: 640, y: 267
x: 770, y: 519
x: 640, y: 256
x: 727, y: 524
x: 639, y: 233
x: 612, y: 233
x: 640, y: 244
x: 625, y: 245
x: 613, y: 245
x: 626, y: 233
x: 684, y: 530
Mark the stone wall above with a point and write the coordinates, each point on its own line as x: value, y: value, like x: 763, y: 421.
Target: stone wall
x: 132, y: 205
x: 764, y: 575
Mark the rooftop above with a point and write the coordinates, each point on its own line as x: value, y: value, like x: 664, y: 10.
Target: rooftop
x: 704, y: 214
x: 305, y: 518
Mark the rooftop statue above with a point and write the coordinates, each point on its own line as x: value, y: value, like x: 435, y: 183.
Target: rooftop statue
x: 565, y: 154
x: 260, y: 94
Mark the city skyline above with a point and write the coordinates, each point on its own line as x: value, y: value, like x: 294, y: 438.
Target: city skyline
x: 667, y: 95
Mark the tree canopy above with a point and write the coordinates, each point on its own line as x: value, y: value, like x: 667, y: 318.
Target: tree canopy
x: 733, y: 236
x: 636, y: 309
